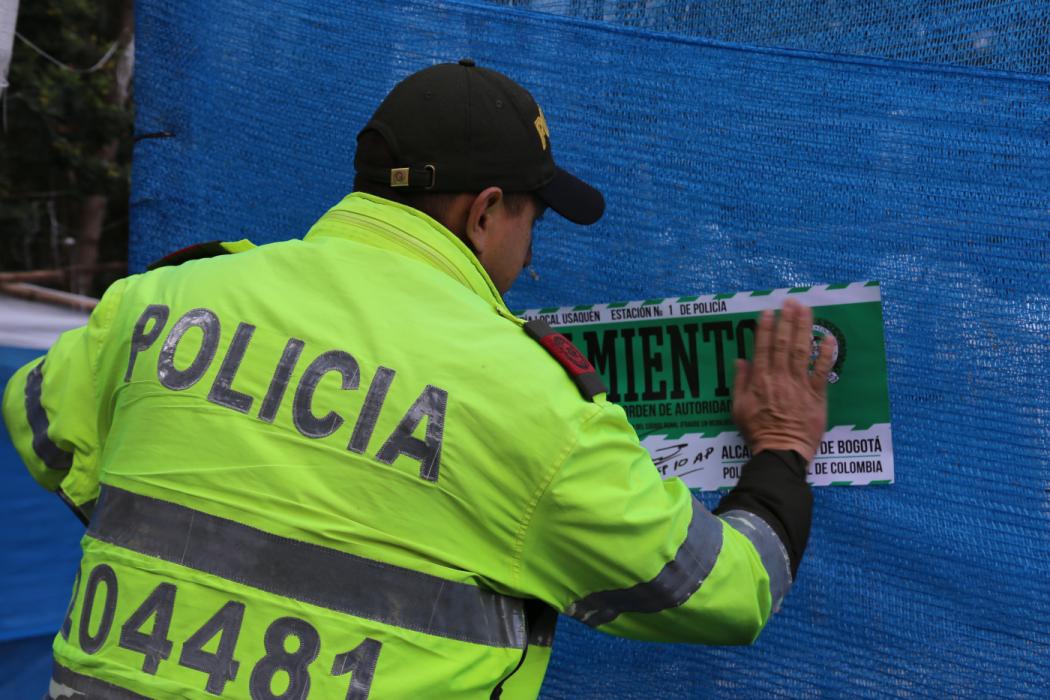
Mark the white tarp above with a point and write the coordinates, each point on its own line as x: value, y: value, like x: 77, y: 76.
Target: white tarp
x: 8, y: 17
x: 31, y: 324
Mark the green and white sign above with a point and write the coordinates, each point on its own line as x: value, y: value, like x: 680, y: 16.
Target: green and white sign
x: 670, y: 364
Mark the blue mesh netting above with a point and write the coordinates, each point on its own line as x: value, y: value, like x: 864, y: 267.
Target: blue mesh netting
x: 726, y: 167
x: 1000, y: 34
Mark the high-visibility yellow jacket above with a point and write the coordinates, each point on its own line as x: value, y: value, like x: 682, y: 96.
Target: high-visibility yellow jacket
x: 338, y: 467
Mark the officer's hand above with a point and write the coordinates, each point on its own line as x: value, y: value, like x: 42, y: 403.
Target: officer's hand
x: 777, y: 403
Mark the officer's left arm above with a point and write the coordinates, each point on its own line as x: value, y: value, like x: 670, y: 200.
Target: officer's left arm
x: 623, y: 551
x: 51, y: 410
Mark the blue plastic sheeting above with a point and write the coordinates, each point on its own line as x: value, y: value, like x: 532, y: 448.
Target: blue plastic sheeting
x: 726, y: 168
x: 39, y: 550
x: 1000, y: 34
x: 27, y: 667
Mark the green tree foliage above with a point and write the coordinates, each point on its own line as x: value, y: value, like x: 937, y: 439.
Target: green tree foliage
x: 66, y: 135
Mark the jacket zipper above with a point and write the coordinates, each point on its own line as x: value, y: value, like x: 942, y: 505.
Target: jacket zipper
x: 381, y: 228
x: 497, y: 692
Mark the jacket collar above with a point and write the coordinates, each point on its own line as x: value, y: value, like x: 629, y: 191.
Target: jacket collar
x: 372, y: 220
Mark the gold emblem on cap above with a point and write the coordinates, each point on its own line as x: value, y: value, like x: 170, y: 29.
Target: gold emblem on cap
x: 399, y: 177
x: 541, y: 129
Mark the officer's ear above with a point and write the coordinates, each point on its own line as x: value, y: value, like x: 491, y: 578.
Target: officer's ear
x: 483, y: 216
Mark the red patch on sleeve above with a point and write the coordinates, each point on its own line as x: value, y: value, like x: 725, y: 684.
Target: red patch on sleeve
x: 567, y: 354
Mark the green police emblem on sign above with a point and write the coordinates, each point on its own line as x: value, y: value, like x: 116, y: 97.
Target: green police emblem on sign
x: 821, y: 328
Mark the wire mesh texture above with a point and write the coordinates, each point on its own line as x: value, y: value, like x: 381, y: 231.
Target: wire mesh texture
x: 726, y: 166
x: 999, y: 34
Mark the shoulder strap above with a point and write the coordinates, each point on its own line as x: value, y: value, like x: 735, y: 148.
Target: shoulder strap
x: 209, y: 249
x: 582, y: 373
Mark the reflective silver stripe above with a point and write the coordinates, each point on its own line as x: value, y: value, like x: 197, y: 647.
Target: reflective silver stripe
x: 307, y: 572
x: 53, y: 456
x: 679, y: 579
x: 70, y: 685
x: 770, y: 549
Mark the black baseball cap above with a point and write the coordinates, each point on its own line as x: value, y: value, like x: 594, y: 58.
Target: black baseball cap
x: 456, y: 127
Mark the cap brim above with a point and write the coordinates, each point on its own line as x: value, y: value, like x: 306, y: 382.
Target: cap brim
x: 572, y: 198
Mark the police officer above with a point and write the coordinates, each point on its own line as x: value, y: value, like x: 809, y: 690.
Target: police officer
x: 339, y: 467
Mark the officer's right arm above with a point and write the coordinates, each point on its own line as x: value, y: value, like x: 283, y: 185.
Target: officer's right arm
x: 614, y: 546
